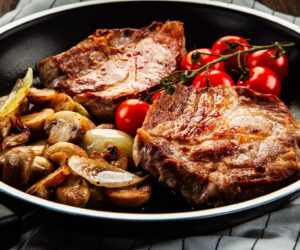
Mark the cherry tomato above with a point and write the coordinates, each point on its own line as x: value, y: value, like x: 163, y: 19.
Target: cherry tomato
x: 280, y: 65
x: 187, y: 63
x: 215, y: 77
x: 157, y: 95
x: 263, y: 80
x: 130, y: 115
x: 231, y: 65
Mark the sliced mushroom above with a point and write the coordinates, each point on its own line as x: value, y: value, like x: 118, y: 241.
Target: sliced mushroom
x: 115, y: 156
x: 16, y: 166
x: 55, y: 100
x: 102, y: 174
x: 74, y: 191
x: 23, y: 108
x: 112, y: 155
x: 60, y: 151
x: 15, y: 140
x: 40, y: 168
x: 81, y: 110
x: 38, y: 149
x: 35, y: 122
x: 129, y: 197
x: 67, y: 126
x: 52, y: 99
x: 62, y: 102
x: 59, y: 158
x: 41, y: 96
x: 45, y: 187
x: 39, y: 142
x: 5, y: 127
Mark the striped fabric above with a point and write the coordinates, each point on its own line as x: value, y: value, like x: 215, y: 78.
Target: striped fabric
x: 277, y: 230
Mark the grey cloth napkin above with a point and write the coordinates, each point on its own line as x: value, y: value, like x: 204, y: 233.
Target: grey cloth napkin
x: 277, y: 230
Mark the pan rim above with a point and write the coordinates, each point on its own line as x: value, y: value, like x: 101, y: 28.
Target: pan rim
x: 153, y: 217
x: 229, y: 6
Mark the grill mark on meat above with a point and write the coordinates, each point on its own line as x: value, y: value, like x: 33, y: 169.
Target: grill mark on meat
x: 219, y: 145
x: 110, y: 66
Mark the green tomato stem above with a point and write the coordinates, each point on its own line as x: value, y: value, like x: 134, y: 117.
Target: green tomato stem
x: 225, y: 57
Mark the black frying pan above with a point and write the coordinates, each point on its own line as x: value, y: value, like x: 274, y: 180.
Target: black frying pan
x: 34, y: 38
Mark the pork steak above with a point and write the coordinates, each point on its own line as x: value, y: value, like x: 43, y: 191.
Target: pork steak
x: 219, y: 145
x: 111, y: 66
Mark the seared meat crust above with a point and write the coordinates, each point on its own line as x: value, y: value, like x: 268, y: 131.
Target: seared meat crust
x: 111, y: 66
x: 219, y: 145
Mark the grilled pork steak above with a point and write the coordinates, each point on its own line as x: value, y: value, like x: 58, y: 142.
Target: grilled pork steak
x: 219, y: 145
x: 111, y: 66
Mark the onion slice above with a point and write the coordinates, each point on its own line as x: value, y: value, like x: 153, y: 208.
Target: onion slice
x: 102, y: 174
x: 17, y: 95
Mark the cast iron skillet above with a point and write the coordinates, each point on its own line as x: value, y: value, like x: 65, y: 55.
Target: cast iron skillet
x: 31, y: 39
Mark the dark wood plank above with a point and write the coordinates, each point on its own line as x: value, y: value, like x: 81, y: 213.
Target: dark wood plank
x: 291, y: 7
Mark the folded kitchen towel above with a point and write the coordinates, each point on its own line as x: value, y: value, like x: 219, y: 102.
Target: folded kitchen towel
x: 274, y: 230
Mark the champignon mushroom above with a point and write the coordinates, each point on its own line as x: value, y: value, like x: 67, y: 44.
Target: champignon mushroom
x: 15, y: 140
x: 55, y: 100
x: 35, y: 122
x: 112, y: 155
x: 40, y: 168
x: 74, y: 191
x: 115, y: 156
x: 59, y: 158
x: 129, y: 197
x: 39, y: 142
x: 38, y: 149
x: 81, y: 110
x: 45, y: 187
x: 41, y: 96
x: 65, y: 147
x: 61, y: 151
x: 67, y: 126
x: 5, y: 127
x: 23, y: 108
x: 62, y: 102
x: 16, y: 166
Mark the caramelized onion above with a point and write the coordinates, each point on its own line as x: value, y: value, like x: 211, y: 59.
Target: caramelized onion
x: 17, y: 95
x: 102, y: 174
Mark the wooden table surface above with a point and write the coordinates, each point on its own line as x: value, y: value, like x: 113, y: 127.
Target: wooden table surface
x: 291, y: 7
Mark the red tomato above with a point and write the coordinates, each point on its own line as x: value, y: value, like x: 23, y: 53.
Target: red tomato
x: 130, y: 115
x: 231, y: 65
x: 187, y: 63
x: 215, y: 77
x: 263, y: 80
x: 157, y: 95
x: 280, y: 65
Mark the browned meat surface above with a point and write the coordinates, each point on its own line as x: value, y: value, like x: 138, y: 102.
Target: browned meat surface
x: 113, y: 65
x: 219, y: 145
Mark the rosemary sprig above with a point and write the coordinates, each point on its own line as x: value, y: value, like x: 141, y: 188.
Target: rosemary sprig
x: 181, y: 77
